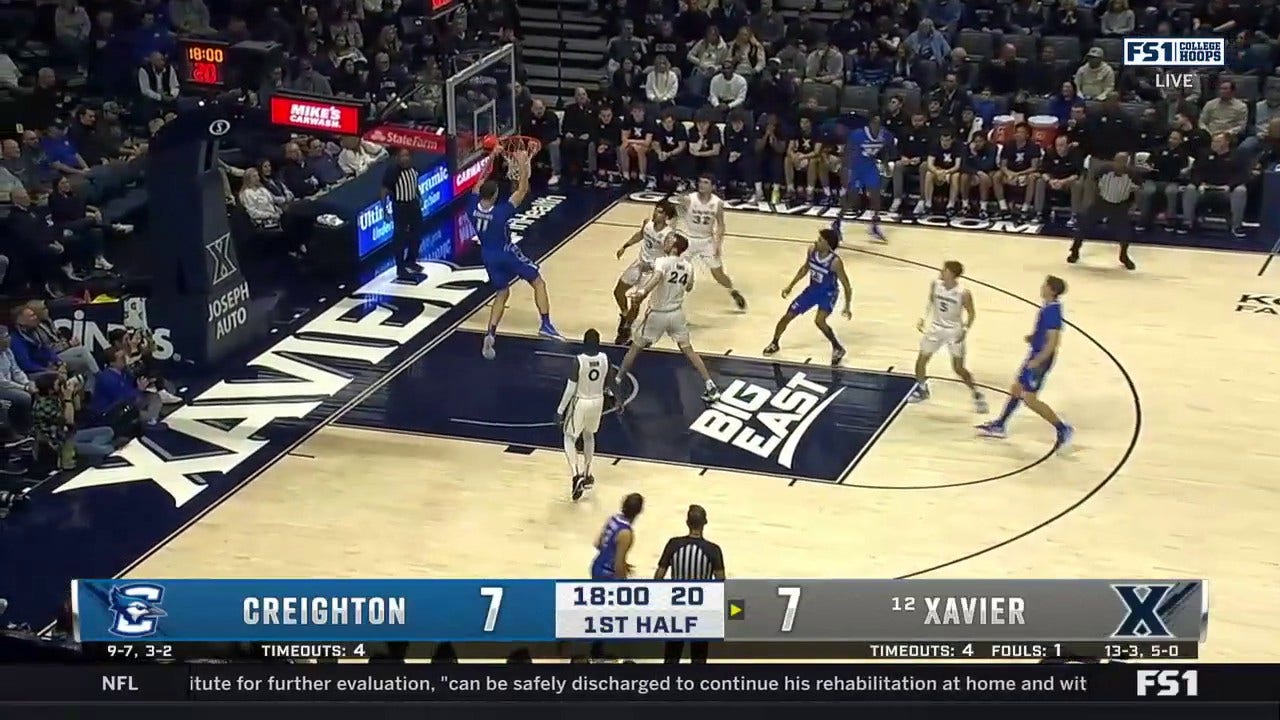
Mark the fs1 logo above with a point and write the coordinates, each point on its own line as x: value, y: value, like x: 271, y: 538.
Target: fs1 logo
x: 136, y: 610
x: 1175, y: 52
x: 1168, y: 683
x: 766, y: 423
x: 1258, y: 304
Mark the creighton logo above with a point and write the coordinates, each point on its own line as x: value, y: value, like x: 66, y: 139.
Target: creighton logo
x: 136, y: 610
x: 224, y: 266
x: 767, y: 423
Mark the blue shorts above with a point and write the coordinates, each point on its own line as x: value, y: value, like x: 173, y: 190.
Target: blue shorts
x: 864, y: 176
x: 822, y: 298
x: 508, y: 266
x: 1032, y: 380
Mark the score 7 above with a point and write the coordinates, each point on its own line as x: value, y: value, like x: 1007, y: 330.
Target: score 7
x: 792, y: 594
x: 495, y: 604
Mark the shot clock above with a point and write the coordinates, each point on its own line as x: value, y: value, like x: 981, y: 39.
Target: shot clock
x: 205, y: 63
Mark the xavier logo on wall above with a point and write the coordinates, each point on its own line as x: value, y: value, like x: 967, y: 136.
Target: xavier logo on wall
x: 222, y: 261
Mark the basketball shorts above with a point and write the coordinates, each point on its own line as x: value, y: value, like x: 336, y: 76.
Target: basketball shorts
x: 864, y: 176
x: 507, y: 267
x: 671, y: 323
x: 1032, y: 379
x: 703, y: 250
x: 935, y: 338
x: 583, y: 416
x: 636, y: 273
x: 820, y: 297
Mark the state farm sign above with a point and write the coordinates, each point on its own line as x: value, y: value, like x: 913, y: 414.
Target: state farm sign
x: 428, y: 140
x: 315, y: 116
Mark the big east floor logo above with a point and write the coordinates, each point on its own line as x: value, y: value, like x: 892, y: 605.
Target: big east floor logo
x: 769, y: 424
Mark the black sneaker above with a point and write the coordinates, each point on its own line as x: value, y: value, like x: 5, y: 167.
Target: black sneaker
x: 1238, y: 232
x: 837, y: 355
x: 1073, y: 257
x: 1184, y: 229
x: 711, y: 395
x: 589, y: 483
x: 1127, y: 263
x: 579, y: 485
x: 771, y: 348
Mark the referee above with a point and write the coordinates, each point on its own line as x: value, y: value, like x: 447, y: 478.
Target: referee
x: 690, y: 557
x: 400, y: 184
x: 1117, y: 183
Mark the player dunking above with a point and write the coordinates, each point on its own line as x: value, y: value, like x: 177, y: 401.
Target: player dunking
x: 580, y: 409
x: 653, y: 233
x: 503, y: 259
x: 824, y: 267
x: 866, y: 145
x: 1044, y: 341
x: 704, y: 223
x: 672, y: 278
x: 948, y: 304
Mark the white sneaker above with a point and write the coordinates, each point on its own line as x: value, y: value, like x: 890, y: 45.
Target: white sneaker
x: 70, y: 271
x: 169, y: 398
x: 553, y: 180
x: 896, y: 205
x: 920, y: 207
x: 122, y: 227
x: 102, y: 263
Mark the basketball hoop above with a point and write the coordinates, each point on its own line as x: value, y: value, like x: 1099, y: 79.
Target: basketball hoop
x: 518, y: 143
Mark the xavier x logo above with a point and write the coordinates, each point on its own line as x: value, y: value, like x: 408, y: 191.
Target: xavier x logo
x: 1144, y: 605
x: 224, y: 265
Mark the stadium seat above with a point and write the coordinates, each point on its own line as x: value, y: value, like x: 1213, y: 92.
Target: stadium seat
x: 857, y: 98
x: 976, y: 43
x: 827, y: 95
x: 1065, y: 47
x: 1024, y: 44
x: 1112, y: 48
x: 1246, y: 86
x: 910, y: 97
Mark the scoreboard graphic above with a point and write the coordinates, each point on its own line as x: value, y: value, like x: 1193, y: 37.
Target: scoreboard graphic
x: 749, y: 619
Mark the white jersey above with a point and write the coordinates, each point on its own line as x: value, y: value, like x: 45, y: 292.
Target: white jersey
x: 583, y: 408
x: 948, y: 305
x: 700, y: 216
x: 590, y: 379
x: 654, y: 244
x: 674, y: 274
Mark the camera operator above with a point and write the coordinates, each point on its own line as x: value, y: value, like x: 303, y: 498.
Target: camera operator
x: 56, y: 405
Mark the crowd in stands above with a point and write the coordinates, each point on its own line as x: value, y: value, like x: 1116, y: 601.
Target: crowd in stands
x: 84, y: 84
x: 766, y: 89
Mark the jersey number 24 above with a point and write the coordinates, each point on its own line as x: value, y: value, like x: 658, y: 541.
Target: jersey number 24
x: 678, y: 278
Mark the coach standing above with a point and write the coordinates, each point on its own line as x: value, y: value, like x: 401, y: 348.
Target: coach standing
x: 400, y: 185
x: 1116, y: 187
x: 691, y: 557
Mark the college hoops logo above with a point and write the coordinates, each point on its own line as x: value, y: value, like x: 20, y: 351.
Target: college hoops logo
x: 769, y: 424
x: 135, y: 610
x: 1258, y: 304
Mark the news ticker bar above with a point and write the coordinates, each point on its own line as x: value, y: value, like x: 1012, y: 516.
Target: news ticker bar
x: 640, y: 682
x: 648, y: 649
x: 546, y: 610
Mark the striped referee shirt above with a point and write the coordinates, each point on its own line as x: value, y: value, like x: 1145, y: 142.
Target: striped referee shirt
x: 1116, y: 187
x: 401, y: 183
x: 691, y: 557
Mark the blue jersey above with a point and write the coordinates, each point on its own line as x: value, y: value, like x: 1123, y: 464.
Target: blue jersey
x: 491, y: 226
x: 822, y: 275
x: 602, y: 568
x: 822, y: 291
x: 1049, y: 318
x: 865, y: 149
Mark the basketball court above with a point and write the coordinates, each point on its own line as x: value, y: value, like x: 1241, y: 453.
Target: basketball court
x: 453, y: 467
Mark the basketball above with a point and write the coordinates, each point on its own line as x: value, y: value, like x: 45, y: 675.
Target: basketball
x: 490, y: 142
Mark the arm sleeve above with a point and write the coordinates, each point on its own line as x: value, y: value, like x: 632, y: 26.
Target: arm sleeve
x: 570, y: 387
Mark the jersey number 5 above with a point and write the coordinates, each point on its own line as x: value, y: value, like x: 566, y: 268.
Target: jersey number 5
x: 943, y: 306
x: 678, y: 278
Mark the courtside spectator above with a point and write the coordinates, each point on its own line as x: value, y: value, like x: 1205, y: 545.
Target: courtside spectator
x: 258, y: 202
x: 1167, y: 168
x: 545, y: 126
x: 158, y: 84
x: 1226, y: 113
x: 575, y: 131
x: 1095, y: 79
x: 77, y: 357
x: 33, y: 355
x: 1221, y: 172
x: 357, y: 155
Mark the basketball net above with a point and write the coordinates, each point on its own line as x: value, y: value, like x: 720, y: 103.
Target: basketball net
x: 517, y: 143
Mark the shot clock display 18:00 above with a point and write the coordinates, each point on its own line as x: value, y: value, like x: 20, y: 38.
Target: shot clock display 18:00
x: 204, y: 62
